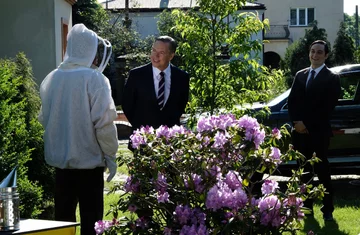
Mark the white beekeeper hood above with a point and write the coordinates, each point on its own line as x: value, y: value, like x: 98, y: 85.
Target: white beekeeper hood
x: 82, y: 46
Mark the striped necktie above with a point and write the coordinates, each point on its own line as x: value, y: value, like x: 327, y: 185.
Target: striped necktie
x: 161, y: 91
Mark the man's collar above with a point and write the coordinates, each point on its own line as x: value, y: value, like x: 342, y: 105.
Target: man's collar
x: 317, y: 70
x: 157, y: 71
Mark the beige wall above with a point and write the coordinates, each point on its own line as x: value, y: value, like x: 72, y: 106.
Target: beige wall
x: 278, y: 46
x: 328, y: 13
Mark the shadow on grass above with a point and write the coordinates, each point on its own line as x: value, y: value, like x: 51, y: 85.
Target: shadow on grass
x: 330, y: 227
x: 346, y: 195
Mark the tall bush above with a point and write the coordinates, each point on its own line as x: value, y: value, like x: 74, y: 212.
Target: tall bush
x: 344, y: 48
x: 21, y: 143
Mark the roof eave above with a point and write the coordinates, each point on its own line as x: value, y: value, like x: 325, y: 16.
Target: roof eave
x: 259, y: 7
x: 71, y: 2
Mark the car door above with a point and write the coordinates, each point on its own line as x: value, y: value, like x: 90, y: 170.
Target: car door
x: 346, y: 118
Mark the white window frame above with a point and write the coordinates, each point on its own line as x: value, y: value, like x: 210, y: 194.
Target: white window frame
x: 298, y: 16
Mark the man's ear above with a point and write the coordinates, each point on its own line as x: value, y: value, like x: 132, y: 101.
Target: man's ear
x: 172, y: 56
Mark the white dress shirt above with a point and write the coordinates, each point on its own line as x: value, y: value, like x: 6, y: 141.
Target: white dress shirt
x: 156, y: 76
x: 317, y: 70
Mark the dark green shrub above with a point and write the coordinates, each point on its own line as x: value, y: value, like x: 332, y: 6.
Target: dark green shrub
x: 21, y: 143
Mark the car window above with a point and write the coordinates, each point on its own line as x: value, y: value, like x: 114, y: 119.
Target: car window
x: 349, y: 89
x: 279, y: 98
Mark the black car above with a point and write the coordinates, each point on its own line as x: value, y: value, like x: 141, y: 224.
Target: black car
x: 344, y: 150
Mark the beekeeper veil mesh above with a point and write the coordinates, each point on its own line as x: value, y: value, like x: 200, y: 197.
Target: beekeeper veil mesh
x: 82, y: 47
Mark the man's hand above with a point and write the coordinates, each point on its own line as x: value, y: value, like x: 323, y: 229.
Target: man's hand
x: 300, y: 127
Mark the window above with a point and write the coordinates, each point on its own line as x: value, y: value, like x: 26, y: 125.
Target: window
x: 349, y: 87
x: 301, y: 16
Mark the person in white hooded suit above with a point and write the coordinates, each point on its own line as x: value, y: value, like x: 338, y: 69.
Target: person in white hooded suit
x: 80, y: 138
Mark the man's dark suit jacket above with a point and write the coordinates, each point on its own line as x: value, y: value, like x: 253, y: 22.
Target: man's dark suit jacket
x: 314, y: 105
x: 140, y: 104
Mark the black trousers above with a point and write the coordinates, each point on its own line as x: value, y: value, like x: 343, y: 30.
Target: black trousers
x: 307, y: 144
x: 85, y: 187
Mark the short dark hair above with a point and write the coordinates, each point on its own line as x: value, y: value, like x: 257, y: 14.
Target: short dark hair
x: 170, y: 40
x: 322, y: 43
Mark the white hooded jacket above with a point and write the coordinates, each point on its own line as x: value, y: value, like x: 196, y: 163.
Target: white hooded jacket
x: 77, y: 108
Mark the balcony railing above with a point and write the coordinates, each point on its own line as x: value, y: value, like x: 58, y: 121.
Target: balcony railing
x: 277, y: 32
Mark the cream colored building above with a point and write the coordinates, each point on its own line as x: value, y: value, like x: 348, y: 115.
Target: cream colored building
x: 289, y: 19
x: 38, y: 28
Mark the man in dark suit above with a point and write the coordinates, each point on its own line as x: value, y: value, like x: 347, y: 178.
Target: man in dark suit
x: 156, y: 94
x: 312, y: 99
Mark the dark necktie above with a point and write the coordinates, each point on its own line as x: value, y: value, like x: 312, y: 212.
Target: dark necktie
x: 161, y: 91
x: 311, y: 79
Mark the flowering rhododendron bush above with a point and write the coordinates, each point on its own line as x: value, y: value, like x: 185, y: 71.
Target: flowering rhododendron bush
x: 203, y: 182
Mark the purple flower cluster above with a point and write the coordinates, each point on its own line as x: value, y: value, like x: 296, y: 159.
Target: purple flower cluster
x: 220, y: 139
x: 253, y: 132
x: 274, y: 156
x: 191, y: 220
x: 276, y: 133
x: 142, y: 222
x: 194, y: 230
x: 139, y: 138
x: 269, y: 207
x: 102, y: 226
x: 222, y: 196
x: 161, y: 186
x: 221, y: 122
x: 211, y: 169
x: 182, y: 214
x: 130, y: 185
x: 294, y: 204
x: 269, y: 187
x: 199, y: 187
x: 233, y: 180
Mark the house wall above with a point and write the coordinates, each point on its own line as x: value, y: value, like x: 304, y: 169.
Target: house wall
x: 63, y: 13
x: 29, y: 28
x: 278, y: 46
x: 328, y: 14
x: 33, y: 27
x: 145, y: 23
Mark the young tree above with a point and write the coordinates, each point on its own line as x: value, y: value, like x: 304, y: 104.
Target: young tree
x: 297, y: 54
x: 344, y: 48
x: 221, y: 54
